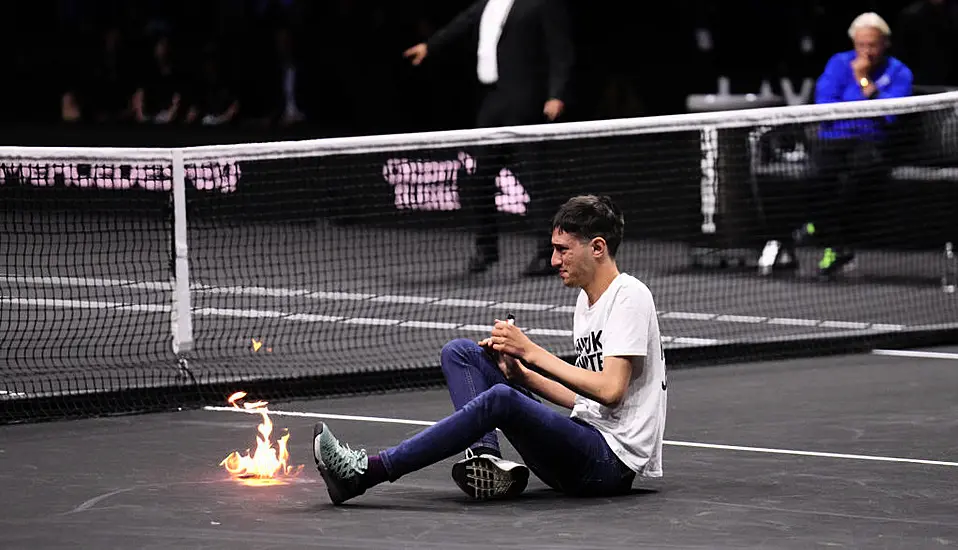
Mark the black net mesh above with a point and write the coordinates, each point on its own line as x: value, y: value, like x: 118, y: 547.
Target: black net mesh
x: 344, y: 266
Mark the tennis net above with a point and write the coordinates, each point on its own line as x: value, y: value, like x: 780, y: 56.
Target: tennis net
x: 137, y: 279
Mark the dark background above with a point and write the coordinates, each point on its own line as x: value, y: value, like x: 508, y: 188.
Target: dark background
x: 634, y: 59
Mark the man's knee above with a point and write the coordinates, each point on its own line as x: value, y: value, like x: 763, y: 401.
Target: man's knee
x: 457, y: 350
x: 458, y: 354
x: 501, y: 398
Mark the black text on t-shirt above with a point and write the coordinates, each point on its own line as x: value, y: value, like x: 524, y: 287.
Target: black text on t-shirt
x: 589, y: 351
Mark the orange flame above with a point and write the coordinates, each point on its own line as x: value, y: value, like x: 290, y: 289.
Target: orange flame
x: 266, y: 465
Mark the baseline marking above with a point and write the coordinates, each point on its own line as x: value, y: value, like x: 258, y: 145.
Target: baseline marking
x: 916, y: 354
x: 430, y: 301
x: 666, y: 442
x: 311, y: 318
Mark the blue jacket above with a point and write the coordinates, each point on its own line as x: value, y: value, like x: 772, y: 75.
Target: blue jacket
x: 837, y: 84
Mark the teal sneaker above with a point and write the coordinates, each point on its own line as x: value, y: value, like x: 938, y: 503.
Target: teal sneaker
x: 340, y: 466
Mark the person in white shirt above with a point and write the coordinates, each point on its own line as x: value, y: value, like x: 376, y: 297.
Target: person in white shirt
x: 524, y: 60
x: 617, y: 389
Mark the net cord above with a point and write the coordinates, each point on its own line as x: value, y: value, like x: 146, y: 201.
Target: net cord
x: 769, y: 116
x: 181, y: 319
x: 694, y: 122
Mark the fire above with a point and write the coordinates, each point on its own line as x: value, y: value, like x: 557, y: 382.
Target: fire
x: 267, y: 465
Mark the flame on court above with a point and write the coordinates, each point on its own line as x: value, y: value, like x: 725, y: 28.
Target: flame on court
x: 256, y: 345
x: 269, y: 463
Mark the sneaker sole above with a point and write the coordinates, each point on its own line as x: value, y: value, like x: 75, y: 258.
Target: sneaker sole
x: 482, y: 480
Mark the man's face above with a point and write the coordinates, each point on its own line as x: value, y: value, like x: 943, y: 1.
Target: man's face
x: 573, y: 258
x: 869, y: 44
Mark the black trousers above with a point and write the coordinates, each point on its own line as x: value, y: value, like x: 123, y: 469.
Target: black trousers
x: 533, y: 163
x: 848, y: 183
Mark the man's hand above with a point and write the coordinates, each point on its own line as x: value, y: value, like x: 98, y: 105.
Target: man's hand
x: 553, y: 109
x: 511, y: 368
x: 509, y: 339
x: 861, y: 66
x: 416, y: 53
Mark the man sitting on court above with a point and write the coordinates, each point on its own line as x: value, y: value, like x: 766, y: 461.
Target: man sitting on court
x: 853, y: 153
x: 616, y: 389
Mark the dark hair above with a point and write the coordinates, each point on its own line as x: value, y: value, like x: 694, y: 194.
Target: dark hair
x: 591, y: 216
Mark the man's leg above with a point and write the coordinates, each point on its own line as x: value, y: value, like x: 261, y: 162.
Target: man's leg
x: 860, y: 193
x: 469, y: 371
x: 538, y: 175
x: 478, y: 191
x: 828, y: 202
x: 563, y: 449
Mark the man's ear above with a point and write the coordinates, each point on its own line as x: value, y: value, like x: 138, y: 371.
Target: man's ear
x: 599, y: 246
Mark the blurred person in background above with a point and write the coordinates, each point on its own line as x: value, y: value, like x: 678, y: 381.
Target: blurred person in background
x: 851, y: 154
x: 100, y: 85
x: 215, y: 100
x: 159, y: 93
x: 524, y: 66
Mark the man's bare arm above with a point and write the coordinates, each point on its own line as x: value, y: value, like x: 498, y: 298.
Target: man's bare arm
x: 606, y: 386
x: 548, y: 389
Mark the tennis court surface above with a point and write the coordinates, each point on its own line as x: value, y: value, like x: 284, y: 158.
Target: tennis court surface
x: 855, y: 451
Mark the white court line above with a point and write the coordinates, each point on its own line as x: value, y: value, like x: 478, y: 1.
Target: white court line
x: 915, y: 353
x: 310, y: 318
x: 740, y: 448
x: 430, y: 301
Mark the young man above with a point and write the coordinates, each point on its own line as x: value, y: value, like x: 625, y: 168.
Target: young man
x: 616, y: 389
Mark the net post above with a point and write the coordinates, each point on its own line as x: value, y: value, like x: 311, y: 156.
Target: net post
x: 181, y: 321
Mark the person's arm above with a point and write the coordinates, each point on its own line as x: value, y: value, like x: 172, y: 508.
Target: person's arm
x: 457, y: 27
x: 625, y: 344
x: 559, y: 50
x: 606, y: 387
x: 900, y: 84
x: 828, y: 87
x: 544, y: 387
x: 138, y: 104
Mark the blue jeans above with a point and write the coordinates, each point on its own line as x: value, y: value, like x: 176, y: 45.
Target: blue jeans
x: 565, y: 453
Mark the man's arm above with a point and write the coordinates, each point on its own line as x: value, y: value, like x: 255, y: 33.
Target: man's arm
x: 899, y: 86
x: 828, y: 87
x: 606, y: 387
x: 547, y: 388
x: 457, y: 27
x: 557, y: 33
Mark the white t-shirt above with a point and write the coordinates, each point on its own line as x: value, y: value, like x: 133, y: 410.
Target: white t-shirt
x: 623, y: 322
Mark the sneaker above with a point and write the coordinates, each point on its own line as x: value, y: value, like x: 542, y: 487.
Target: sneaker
x: 486, y: 477
x: 833, y: 262
x: 777, y: 256
x: 340, y: 466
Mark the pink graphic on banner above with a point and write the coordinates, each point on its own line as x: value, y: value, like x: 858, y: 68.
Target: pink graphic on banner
x: 222, y: 177
x: 433, y: 185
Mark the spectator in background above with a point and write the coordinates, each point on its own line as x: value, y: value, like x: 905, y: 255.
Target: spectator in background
x: 100, y: 89
x: 927, y: 40
x: 215, y: 101
x: 279, y: 88
x: 524, y: 65
x: 291, y: 80
x: 159, y: 93
x: 850, y: 154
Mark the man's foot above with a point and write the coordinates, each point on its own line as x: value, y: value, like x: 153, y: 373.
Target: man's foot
x: 833, y: 262
x: 340, y: 466
x: 486, y: 477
